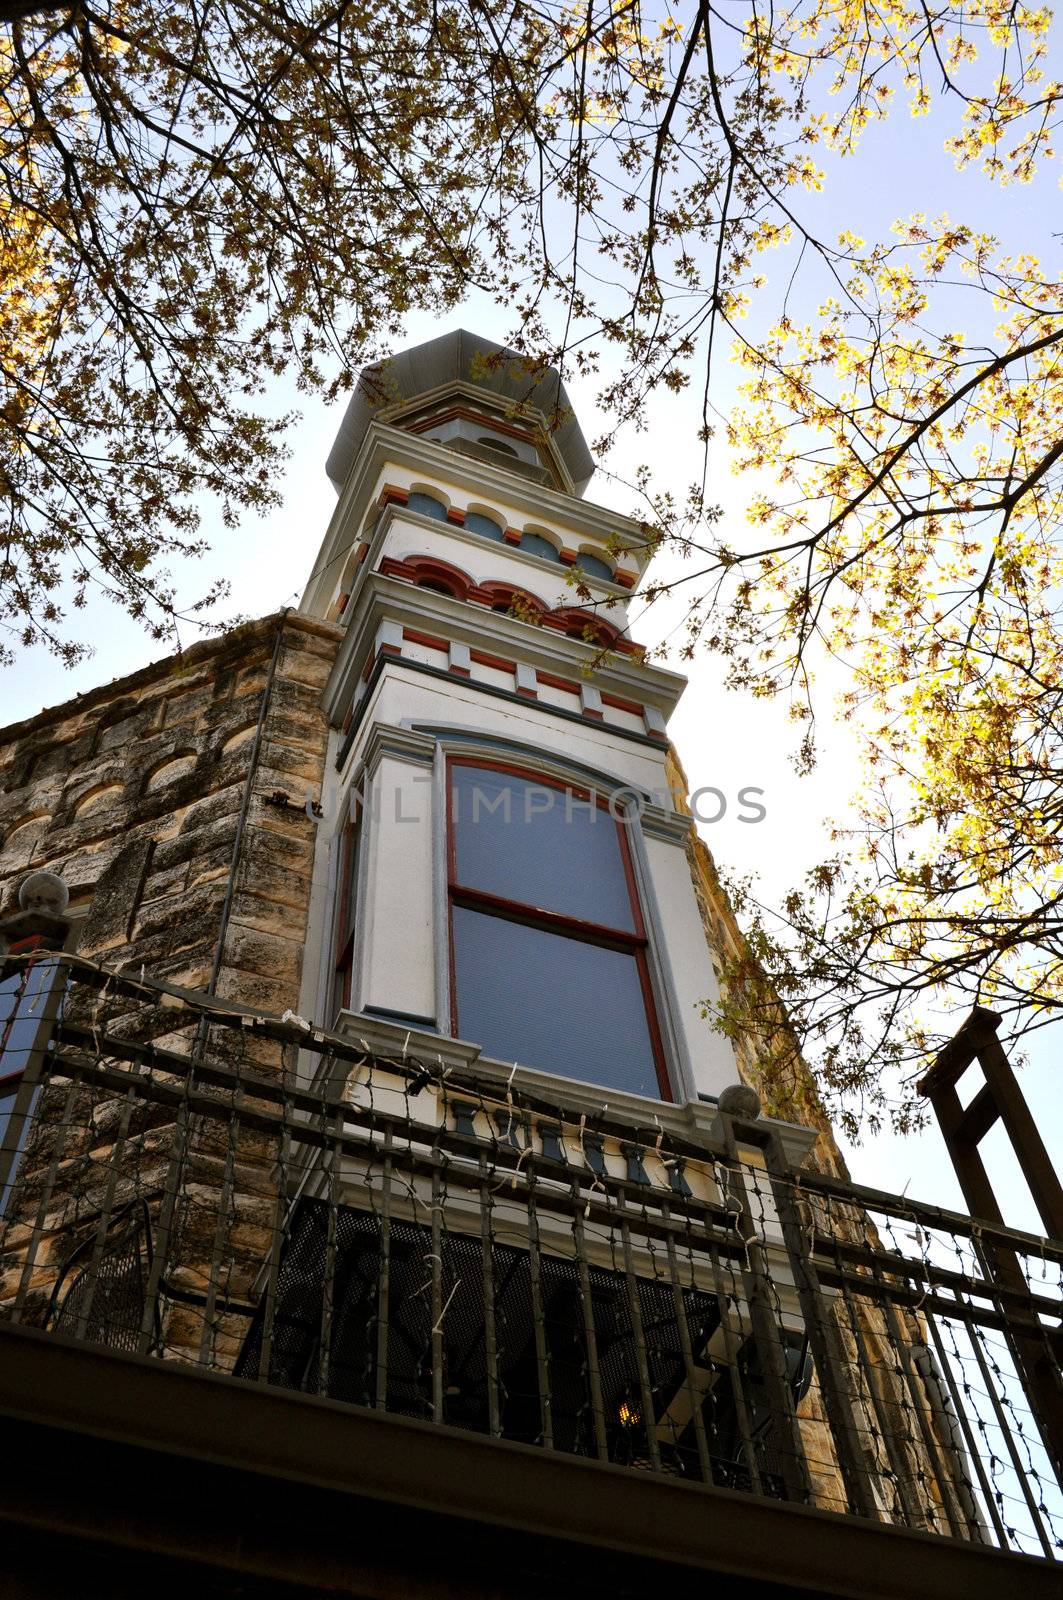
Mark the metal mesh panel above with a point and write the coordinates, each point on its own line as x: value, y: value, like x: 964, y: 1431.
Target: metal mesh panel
x: 103, y: 1301
x: 355, y: 1311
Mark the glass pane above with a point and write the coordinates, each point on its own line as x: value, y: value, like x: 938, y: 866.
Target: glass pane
x: 427, y: 505
x: 551, y: 1002
x: 477, y: 523
x: 535, y: 545
x: 542, y: 846
x: 8, y: 1094
x: 22, y: 1002
x: 593, y: 567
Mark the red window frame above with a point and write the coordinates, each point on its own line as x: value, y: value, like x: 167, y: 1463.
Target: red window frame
x: 634, y: 943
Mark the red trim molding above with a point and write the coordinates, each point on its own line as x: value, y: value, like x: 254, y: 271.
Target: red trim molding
x: 499, y: 663
x: 553, y: 682
x: 430, y: 571
x: 481, y: 418
x: 618, y: 704
x: 392, y: 495
x: 575, y: 622
x: 429, y: 641
x: 496, y: 594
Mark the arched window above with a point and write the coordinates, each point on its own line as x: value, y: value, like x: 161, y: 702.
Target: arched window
x: 476, y: 522
x: 427, y: 505
x: 498, y: 444
x: 547, y: 937
x: 590, y: 632
x: 594, y: 567
x: 536, y: 545
x: 506, y: 597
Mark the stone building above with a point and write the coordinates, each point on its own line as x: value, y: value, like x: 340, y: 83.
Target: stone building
x: 382, y: 1075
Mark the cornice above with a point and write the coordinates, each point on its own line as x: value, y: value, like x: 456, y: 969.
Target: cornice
x: 401, y: 743
x: 390, y: 599
x: 196, y: 655
x: 492, y: 403
x: 384, y: 444
x: 671, y: 826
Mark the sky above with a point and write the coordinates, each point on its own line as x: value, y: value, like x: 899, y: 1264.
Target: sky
x: 725, y: 740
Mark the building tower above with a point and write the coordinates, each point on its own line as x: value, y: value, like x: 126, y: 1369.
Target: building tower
x: 498, y: 770
x: 366, y: 1143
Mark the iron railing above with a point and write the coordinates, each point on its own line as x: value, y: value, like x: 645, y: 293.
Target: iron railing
x: 237, y: 1192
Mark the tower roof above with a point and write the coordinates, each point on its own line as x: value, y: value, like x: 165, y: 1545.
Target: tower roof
x: 468, y: 358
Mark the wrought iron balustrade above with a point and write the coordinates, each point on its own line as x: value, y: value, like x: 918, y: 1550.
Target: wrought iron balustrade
x: 242, y: 1194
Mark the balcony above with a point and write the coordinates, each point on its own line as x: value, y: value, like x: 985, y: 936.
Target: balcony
x: 230, y: 1239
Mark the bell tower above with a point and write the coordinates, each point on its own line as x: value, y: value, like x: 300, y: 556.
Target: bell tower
x: 502, y: 869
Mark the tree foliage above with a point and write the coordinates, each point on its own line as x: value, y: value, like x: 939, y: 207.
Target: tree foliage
x: 198, y: 198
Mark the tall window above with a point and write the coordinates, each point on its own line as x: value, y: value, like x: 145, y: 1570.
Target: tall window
x: 548, y: 946
x: 24, y: 996
x: 345, y: 910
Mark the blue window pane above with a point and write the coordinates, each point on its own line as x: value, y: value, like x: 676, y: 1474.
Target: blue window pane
x: 10, y: 1090
x: 22, y: 1000
x: 428, y: 506
x: 482, y: 525
x: 536, y: 545
x: 593, y: 567
x: 547, y: 1001
x: 542, y: 846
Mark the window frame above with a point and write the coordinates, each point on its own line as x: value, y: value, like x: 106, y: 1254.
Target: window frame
x: 634, y: 943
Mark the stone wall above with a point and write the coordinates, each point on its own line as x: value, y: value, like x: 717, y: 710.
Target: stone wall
x: 134, y: 793
x: 770, y: 1064
x: 153, y: 798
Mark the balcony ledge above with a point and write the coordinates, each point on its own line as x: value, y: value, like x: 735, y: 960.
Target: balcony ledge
x: 129, y: 1454
x: 697, y: 1121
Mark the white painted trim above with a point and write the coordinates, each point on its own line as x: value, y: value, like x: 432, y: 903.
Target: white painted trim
x: 677, y: 1058
x: 402, y: 743
x: 696, y: 1120
x: 441, y: 891
x: 674, y: 827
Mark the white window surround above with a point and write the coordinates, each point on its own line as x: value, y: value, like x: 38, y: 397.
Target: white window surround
x: 692, y: 1119
x: 402, y: 965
